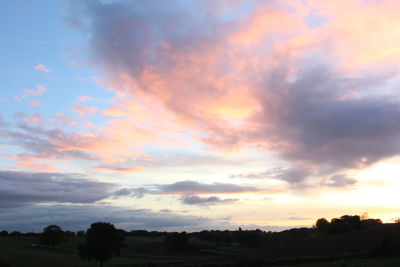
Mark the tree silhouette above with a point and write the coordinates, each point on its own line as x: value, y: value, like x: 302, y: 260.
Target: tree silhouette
x: 52, y: 235
x: 322, y: 226
x: 102, y: 242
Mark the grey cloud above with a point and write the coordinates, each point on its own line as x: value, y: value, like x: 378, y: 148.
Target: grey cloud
x: 322, y: 128
x: 308, y: 122
x: 143, y: 26
x: 122, y: 192
x: 298, y: 178
x: 23, y: 188
x: 205, y: 201
x: 187, y: 187
x: 79, y: 217
x: 290, y: 175
x: 74, y: 217
x: 340, y: 180
x: 134, y: 192
x: 49, y: 142
x: 165, y: 210
x: 183, y: 188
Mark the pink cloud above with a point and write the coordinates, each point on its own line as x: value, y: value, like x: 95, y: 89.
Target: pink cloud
x: 42, y: 67
x: 35, y: 102
x: 65, y: 120
x: 119, y: 169
x: 40, y: 90
x: 36, y: 118
x: 252, y: 81
x: 84, y: 110
x: 30, y: 162
x: 85, y: 98
x: 114, y: 111
x: 264, y: 80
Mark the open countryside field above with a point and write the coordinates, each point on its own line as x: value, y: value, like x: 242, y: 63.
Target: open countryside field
x: 17, y: 251
x: 149, y: 251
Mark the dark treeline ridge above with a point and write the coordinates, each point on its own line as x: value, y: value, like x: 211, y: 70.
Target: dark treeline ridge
x: 344, y: 237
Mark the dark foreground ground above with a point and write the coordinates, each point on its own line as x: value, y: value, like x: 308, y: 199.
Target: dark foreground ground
x: 149, y: 251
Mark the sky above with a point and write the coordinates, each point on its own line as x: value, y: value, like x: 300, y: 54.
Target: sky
x: 190, y: 115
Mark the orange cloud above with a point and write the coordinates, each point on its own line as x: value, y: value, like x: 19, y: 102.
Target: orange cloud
x: 266, y: 23
x: 363, y: 34
x: 114, y: 111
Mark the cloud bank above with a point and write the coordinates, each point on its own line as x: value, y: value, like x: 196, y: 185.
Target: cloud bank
x: 23, y: 188
x: 249, y: 80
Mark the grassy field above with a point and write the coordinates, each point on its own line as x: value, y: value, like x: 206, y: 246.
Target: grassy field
x: 16, y: 251
x: 142, y: 251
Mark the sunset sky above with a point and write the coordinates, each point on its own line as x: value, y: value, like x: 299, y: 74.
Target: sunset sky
x: 190, y: 115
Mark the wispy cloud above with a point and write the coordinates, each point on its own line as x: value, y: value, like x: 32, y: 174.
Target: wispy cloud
x: 119, y: 169
x: 84, y: 110
x: 35, y: 102
x: 40, y: 90
x: 188, y: 187
x: 42, y: 67
x: 205, y: 201
x: 302, y: 177
x: 189, y: 190
x: 85, y: 98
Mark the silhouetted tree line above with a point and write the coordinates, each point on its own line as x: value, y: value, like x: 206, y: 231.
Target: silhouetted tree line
x: 349, y: 234
x: 345, y: 224
x: 146, y: 233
